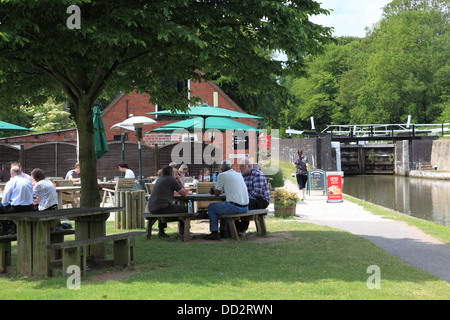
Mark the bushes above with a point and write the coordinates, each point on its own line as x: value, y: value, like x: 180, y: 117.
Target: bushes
x: 278, y: 180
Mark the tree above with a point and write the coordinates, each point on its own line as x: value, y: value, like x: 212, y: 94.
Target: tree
x: 49, y: 116
x: 83, y: 48
x: 317, y: 91
x: 401, y: 67
x: 412, y: 49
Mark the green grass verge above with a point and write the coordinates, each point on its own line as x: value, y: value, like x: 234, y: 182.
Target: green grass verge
x: 295, y: 261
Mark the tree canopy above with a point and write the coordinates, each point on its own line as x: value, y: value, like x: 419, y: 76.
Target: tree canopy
x: 51, y: 48
x: 400, y: 68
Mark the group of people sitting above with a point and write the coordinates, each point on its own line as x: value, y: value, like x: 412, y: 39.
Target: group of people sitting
x: 21, y: 191
x: 244, y: 191
x: 34, y: 192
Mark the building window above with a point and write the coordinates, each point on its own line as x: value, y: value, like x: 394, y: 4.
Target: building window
x: 240, y: 141
x: 189, y: 137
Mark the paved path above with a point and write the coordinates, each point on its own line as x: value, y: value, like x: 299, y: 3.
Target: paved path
x: 397, y: 238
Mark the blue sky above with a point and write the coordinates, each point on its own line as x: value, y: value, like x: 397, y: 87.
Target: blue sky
x: 350, y: 17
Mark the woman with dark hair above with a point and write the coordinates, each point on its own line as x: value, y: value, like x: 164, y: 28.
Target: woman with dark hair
x: 123, y: 167
x: 5, y: 175
x: 44, y: 190
x: 302, y: 165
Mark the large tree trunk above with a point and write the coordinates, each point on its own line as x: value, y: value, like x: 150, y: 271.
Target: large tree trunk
x: 90, y: 196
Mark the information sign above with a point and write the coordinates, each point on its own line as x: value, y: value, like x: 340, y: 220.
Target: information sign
x: 316, y: 180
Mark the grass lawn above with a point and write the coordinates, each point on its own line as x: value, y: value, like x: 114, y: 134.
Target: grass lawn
x: 295, y: 261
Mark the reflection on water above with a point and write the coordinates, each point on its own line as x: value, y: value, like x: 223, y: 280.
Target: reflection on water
x: 421, y: 198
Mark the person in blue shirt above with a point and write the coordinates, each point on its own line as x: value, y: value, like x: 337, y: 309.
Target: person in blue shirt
x: 74, y: 174
x: 17, y: 197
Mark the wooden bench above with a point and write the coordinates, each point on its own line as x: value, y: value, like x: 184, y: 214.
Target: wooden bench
x: 5, y: 246
x: 75, y: 252
x: 257, y: 215
x: 173, y: 217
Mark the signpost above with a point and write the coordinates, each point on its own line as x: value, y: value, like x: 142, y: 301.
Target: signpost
x: 316, y: 180
x: 334, y: 188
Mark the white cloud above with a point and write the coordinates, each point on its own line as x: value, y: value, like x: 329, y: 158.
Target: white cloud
x: 350, y: 17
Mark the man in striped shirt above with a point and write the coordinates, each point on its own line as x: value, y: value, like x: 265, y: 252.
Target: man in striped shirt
x: 258, y: 190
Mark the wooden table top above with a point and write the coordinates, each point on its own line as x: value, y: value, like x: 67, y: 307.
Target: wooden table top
x: 71, y: 213
x: 200, y: 197
x: 68, y: 188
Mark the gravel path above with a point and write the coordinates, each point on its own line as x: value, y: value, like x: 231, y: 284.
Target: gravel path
x: 397, y: 238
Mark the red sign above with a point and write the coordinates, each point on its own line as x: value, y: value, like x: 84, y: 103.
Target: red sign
x: 264, y: 142
x: 334, y: 188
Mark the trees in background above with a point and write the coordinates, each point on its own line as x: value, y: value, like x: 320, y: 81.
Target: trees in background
x: 400, y: 68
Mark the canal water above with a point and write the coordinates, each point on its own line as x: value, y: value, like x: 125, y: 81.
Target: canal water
x: 426, y: 199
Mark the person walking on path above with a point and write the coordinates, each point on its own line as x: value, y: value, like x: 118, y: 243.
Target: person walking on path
x: 301, y: 172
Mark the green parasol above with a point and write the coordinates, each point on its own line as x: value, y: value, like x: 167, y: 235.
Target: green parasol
x: 100, y: 142
x: 221, y: 124
x: 206, y: 112
x: 8, y: 126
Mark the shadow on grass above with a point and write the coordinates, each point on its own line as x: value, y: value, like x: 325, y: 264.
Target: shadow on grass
x: 283, y: 256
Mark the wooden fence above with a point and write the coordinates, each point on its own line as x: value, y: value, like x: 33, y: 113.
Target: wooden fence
x: 57, y: 158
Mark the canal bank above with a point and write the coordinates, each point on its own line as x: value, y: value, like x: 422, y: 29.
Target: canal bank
x: 414, y: 196
x: 395, y: 237
x: 428, y: 174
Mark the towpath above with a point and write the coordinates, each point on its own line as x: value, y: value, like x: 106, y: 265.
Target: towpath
x: 395, y: 237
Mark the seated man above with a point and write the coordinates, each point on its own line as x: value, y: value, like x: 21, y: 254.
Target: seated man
x: 74, y: 174
x: 22, y: 174
x: 17, y: 197
x: 44, y: 190
x: 161, y: 198
x: 258, y: 191
x: 232, y: 183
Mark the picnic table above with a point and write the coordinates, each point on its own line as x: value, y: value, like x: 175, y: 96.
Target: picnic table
x: 65, y: 189
x: 33, y: 234
x: 185, y: 217
x: 198, y: 197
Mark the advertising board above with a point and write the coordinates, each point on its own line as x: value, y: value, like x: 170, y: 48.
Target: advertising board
x: 334, y: 188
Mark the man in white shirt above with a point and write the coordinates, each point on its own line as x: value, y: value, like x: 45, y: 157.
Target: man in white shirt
x: 232, y: 183
x: 123, y: 167
x: 17, y: 197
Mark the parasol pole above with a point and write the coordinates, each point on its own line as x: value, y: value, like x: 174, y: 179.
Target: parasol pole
x: 203, y: 147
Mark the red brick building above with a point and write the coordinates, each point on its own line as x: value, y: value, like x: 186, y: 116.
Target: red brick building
x: 138, y: 105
